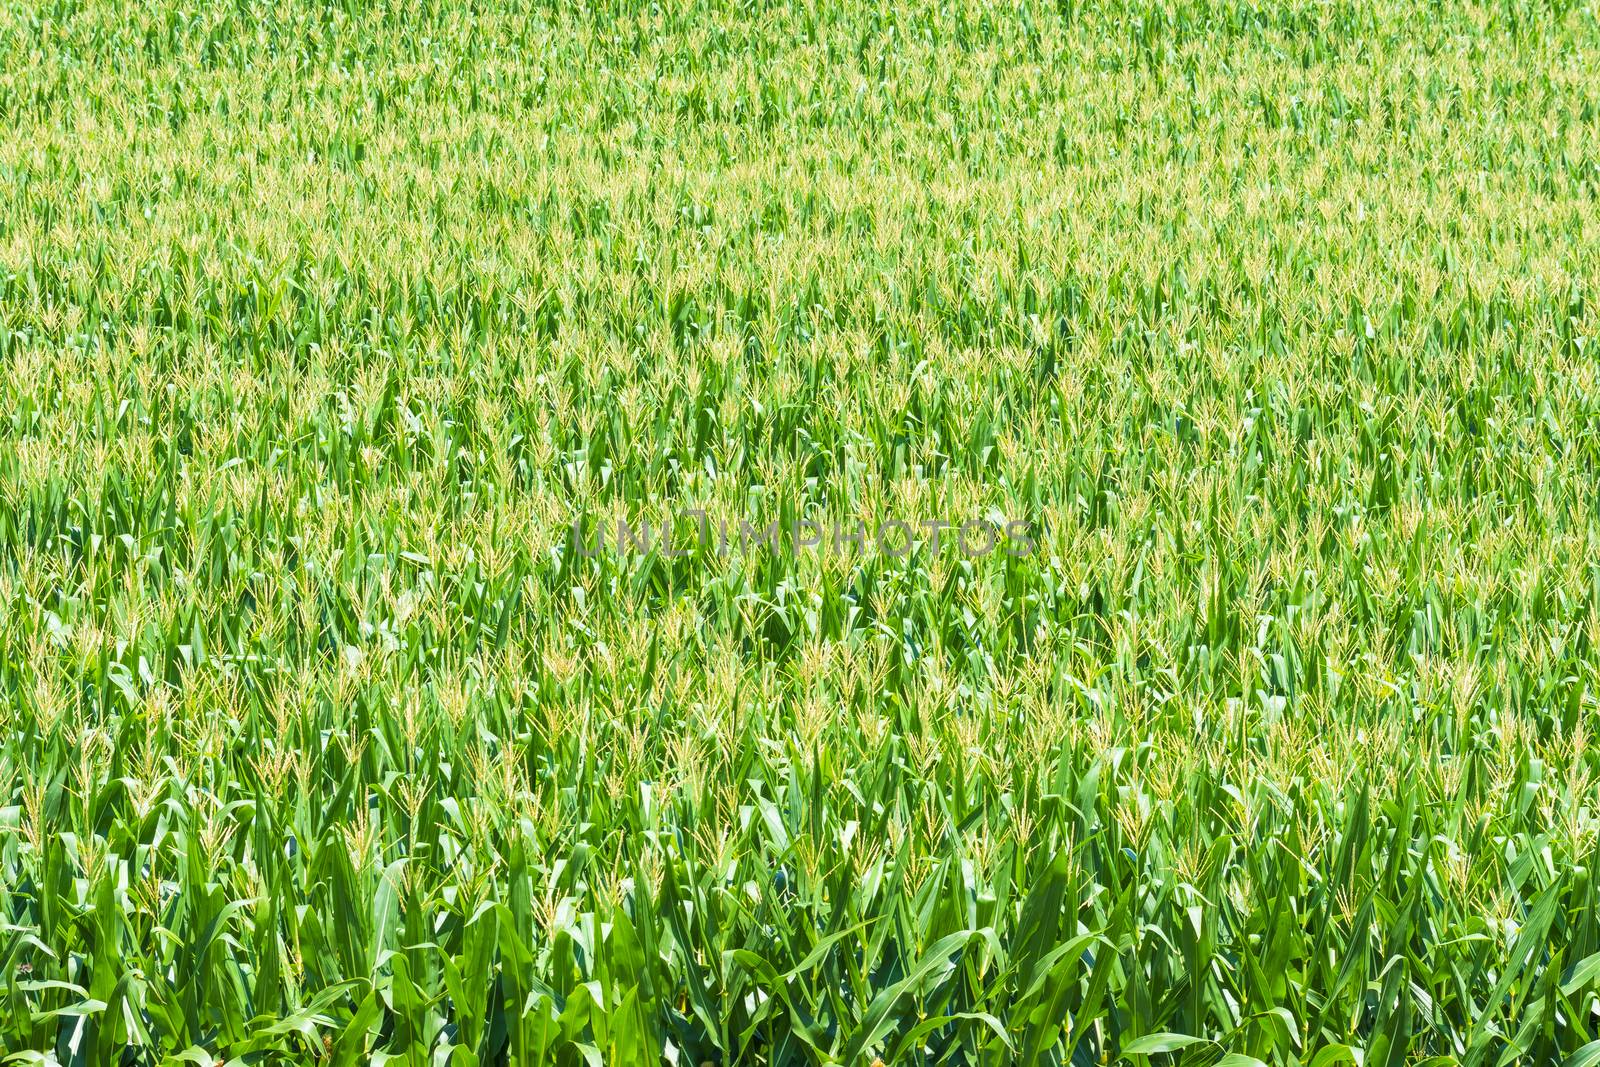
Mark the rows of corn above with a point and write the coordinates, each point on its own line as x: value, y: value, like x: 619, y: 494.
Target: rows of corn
x: 339, y: 340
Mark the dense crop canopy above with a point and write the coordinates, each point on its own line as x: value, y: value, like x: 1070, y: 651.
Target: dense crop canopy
x: 343, y: 345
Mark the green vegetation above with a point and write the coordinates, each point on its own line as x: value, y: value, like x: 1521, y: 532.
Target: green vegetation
x: 320, y: 323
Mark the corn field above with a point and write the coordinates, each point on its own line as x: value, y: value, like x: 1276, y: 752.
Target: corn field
x: 345, y: 343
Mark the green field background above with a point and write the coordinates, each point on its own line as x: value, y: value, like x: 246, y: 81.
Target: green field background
x: 321, y: 324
